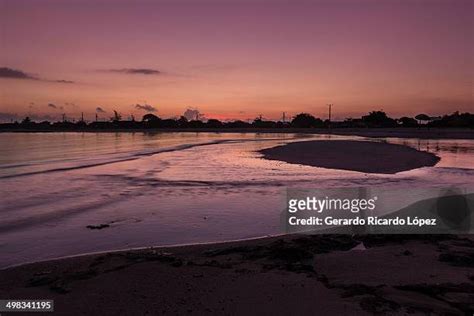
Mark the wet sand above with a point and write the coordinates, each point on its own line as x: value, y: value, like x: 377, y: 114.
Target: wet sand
x: 298, y: 274
x: 362, y: 156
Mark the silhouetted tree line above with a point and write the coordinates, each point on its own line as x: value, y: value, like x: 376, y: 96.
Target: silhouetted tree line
x: 374, y: 119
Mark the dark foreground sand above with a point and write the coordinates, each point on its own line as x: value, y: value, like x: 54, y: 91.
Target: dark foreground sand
x: 363, y: 156
x: 291, y: 275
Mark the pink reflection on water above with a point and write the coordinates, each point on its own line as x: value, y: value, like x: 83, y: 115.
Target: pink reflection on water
x: 173, y: 188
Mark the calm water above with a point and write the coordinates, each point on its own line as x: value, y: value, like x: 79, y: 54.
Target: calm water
x: 172, y: 188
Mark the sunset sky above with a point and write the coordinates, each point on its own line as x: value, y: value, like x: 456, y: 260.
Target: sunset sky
x: 235, y: 59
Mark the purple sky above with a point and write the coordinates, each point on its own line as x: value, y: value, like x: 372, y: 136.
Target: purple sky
x: 236, y: 59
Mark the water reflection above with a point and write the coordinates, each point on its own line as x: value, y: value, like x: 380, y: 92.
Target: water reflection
x: 172, y: 188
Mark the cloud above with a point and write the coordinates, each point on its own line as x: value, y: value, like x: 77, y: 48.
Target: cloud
x: 99, y: 110
x: 193, y: 114
x: 63, y: 81
x: 10, y: 73
x: 54, y: 106
x: 137, y: 71
x: 145, y: 107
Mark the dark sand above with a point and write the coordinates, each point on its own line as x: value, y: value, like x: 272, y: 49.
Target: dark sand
x: 291, y: 275
x: 362, y: 156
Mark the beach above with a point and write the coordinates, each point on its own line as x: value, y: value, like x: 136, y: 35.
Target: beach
x: 290, y: 274
x: 297, y: 274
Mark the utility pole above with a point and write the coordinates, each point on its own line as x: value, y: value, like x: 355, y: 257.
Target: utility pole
x: 283, y: 118
x: 96, y: 117
x: 329, y: 114
x: 329, y: 111
x: 82, y: 116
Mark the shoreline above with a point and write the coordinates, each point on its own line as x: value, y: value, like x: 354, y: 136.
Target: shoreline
x: 422, y: 133
x: 143, y: 248
x: 270, y: 275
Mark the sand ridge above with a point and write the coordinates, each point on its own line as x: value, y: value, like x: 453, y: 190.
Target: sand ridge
x: 362, y: 156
